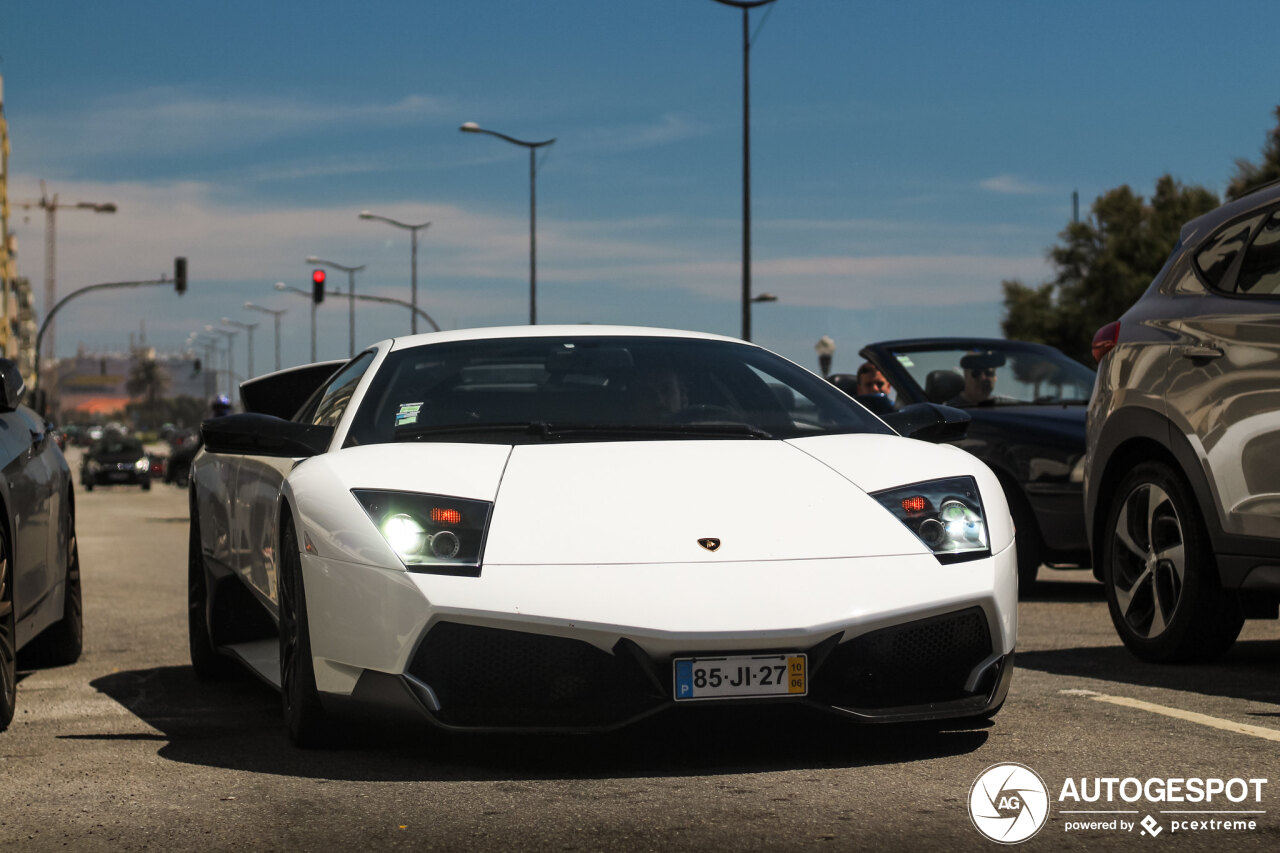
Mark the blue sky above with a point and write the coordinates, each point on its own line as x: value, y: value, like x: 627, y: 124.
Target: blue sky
x: 906, y: 157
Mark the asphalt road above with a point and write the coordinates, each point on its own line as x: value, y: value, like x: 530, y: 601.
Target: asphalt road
x: 125, y: 750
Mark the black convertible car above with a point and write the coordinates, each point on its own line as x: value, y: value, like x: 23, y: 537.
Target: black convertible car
x: 1027, y: 403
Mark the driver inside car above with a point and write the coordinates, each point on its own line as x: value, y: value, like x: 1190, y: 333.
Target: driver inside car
x: 979, y: 378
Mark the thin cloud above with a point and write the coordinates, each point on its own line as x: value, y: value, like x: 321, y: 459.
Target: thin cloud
x: 171, y: 121
x: 1012, y: 185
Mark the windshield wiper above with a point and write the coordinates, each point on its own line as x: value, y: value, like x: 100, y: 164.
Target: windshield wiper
x: 549, y: 431
x: 709, y: 430
x: 415, y: 433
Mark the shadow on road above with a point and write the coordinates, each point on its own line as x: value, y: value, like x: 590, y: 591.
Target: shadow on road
x: 237, y: 725
x: 1249, y: 671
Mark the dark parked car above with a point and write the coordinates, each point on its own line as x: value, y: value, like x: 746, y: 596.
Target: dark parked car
x: 115, y: 460
x: 40, y: 610
x: 1183, y: 474
x: 1027, y: 403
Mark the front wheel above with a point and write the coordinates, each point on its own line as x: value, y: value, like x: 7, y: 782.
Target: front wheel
x: 61, y: 643
x: 1160, y: 575
x: 304, y: 716
x: 208, y: 664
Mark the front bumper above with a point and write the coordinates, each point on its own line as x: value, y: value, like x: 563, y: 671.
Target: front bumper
x: 888, y: 640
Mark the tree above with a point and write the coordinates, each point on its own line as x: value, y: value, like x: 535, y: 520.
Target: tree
x: 1249, y: 175
x: 1103, y: 265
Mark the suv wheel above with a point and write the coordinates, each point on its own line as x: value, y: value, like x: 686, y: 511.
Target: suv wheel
x: 1161, y: 579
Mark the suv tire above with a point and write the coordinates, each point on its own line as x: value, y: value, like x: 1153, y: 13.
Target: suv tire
x: 1159, y: 570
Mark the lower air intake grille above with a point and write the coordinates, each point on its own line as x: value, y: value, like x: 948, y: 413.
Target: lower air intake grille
x: 913, y: 664
x: 491, y: 677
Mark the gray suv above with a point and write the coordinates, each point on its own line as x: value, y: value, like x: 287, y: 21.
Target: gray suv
x: 1182, y: 472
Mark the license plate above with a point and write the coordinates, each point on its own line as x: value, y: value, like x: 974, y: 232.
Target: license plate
x: 740, y: 676
x: 118, y: 476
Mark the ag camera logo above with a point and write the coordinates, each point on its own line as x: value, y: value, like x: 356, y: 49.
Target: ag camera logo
x: 1009, y: 803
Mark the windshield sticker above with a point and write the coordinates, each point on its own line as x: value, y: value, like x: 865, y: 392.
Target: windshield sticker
x: 408, y: 413
x: 904, y: 360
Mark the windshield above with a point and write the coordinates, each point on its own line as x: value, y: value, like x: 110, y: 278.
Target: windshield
x: 582, y: 388
x: 117, y: 446
x: 996, y: 373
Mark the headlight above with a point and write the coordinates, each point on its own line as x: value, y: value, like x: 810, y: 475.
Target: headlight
x: 946, y: 515
x: 429, y: 533
x: 142, y: 465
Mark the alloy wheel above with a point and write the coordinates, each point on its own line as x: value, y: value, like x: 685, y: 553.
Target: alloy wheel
x: 1150, y: 559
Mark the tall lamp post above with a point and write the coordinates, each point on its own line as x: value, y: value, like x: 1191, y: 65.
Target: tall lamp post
x: 231, y: 360
x: 351, y: 294
x: 472, y: 127
x: 275, y: 313
x: 248, y: 329
x: 413, y: 261
x: 746, y: 6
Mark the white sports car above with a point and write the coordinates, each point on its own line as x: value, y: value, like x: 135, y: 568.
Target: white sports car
x: 572, y: 527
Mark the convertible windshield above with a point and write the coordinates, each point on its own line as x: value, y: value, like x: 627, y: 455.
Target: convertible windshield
x: 598, y: 388
x: 996, y: 373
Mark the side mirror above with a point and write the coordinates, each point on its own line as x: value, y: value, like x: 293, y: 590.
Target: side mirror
x: 12, y: 386
x: 929, y: 422
x: 252, y: 434
x: 877, y: 404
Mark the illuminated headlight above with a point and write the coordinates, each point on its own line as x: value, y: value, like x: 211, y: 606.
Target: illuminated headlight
x: 429, y: 533
x: 946, y: 515
x: 142, y: 465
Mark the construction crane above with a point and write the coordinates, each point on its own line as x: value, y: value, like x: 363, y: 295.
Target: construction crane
x: 50, y: 205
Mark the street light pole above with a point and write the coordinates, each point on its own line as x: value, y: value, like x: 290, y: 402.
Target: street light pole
x: 275, y: 313
x: 351, y: 301
x: 248, y: 328
x: 746, y: 6
x: 231, y: 359
x: 472, y: 127
x: 413, y: 261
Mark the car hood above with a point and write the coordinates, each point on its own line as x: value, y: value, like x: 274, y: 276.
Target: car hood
x: 652, y: 502
x: 1057, y: 422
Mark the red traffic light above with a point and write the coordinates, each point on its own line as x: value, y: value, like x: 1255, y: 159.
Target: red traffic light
x: 317, y: 286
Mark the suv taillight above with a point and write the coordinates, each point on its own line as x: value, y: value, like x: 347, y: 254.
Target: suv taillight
x: 1105, y: 340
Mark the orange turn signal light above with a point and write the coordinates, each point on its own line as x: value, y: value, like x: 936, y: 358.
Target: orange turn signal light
x: 914, y: 504
x: 441, y: 515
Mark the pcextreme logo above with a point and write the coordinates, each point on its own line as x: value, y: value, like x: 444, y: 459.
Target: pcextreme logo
x: 1009, y: 803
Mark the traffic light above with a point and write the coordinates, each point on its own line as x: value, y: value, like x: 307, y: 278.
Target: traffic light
x: 180, y: 275
x: 317, y: 286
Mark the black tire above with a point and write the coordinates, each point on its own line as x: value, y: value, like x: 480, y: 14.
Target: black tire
x: 1027, y: 539
x: 304, y: 716
x: 146, y: 485
x: 1160, y: 574
x: 62, y: 642
x: 88, y: 485
x: 8, y: 640
x: 205, y: 660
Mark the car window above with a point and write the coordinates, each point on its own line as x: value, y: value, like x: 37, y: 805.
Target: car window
x: 995, y: 373
x: 1260, y: 269
x: 335, y: 396
x: 598, y: 387
x: 1216, y: 258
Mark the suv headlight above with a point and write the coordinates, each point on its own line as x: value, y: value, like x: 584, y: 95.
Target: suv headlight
x: 142, y: 465
x: 429, y: 533
x: 945, y: 515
